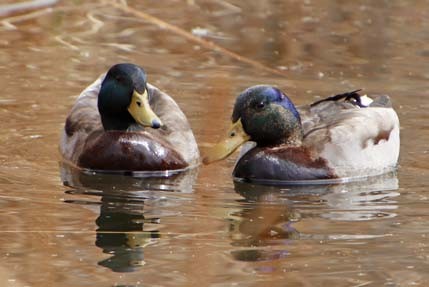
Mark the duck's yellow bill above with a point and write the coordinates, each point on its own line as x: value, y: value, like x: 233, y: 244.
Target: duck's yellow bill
x: 236, y: 137
x: 141, y: 111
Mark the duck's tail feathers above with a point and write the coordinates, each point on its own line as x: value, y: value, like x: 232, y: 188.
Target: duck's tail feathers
x: 382, y: 101
x: 352, y: 97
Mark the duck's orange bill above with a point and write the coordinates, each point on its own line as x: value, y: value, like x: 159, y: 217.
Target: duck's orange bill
x: 236, y: 136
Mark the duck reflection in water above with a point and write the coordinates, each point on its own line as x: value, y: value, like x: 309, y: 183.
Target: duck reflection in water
x: 124, y: 229
x: 122, y: 233
x: 264, y: 222
x: 266, y: 226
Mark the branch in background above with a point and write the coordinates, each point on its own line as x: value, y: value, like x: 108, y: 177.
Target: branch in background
x: 8, y: 9
x: 189, y: 36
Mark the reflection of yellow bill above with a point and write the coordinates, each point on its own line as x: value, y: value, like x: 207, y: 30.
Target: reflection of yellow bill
x: 236, y: 136
x: 141, y: 111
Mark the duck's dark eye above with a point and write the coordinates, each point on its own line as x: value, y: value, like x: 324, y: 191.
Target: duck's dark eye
x: 232, y: 134
x: 139, y: 104
x: 260, y: 105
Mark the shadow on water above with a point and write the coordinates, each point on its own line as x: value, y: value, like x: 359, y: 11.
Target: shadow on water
x: 124, y: 228
x: 263, y: 230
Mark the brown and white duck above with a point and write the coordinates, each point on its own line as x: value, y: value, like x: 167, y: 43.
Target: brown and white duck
x: 338, y: 138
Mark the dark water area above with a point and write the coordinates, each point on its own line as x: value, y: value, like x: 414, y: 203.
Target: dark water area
x: 60, y: 227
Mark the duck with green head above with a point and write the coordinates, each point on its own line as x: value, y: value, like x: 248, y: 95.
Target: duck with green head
x: 122, y: 123
x: 338, y: 137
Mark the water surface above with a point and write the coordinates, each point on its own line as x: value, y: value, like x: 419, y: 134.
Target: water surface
x: 200, y: 228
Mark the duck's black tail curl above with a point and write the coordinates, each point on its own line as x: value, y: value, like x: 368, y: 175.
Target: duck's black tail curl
x: 354, y: 95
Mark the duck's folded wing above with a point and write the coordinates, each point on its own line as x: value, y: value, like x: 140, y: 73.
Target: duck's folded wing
x: 355, y: 142
x: 324, y: 111
x: 176, y: 129
x: 82, y: 120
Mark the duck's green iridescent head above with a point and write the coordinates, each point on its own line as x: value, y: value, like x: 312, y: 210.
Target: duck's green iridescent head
x: 123, y: 99
x: 262, y: 114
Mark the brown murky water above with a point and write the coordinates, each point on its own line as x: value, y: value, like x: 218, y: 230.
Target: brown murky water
x: 200, y: 228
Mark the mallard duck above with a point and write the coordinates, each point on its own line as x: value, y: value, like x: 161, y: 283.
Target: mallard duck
x: 344, y: 136
x: 122, y: 123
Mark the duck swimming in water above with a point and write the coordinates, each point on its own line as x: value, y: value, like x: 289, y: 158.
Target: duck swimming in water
x: 335, y: 138
x: 122, y: 123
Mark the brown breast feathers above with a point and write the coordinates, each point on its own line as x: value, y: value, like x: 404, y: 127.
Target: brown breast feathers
x: 131, y: 151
